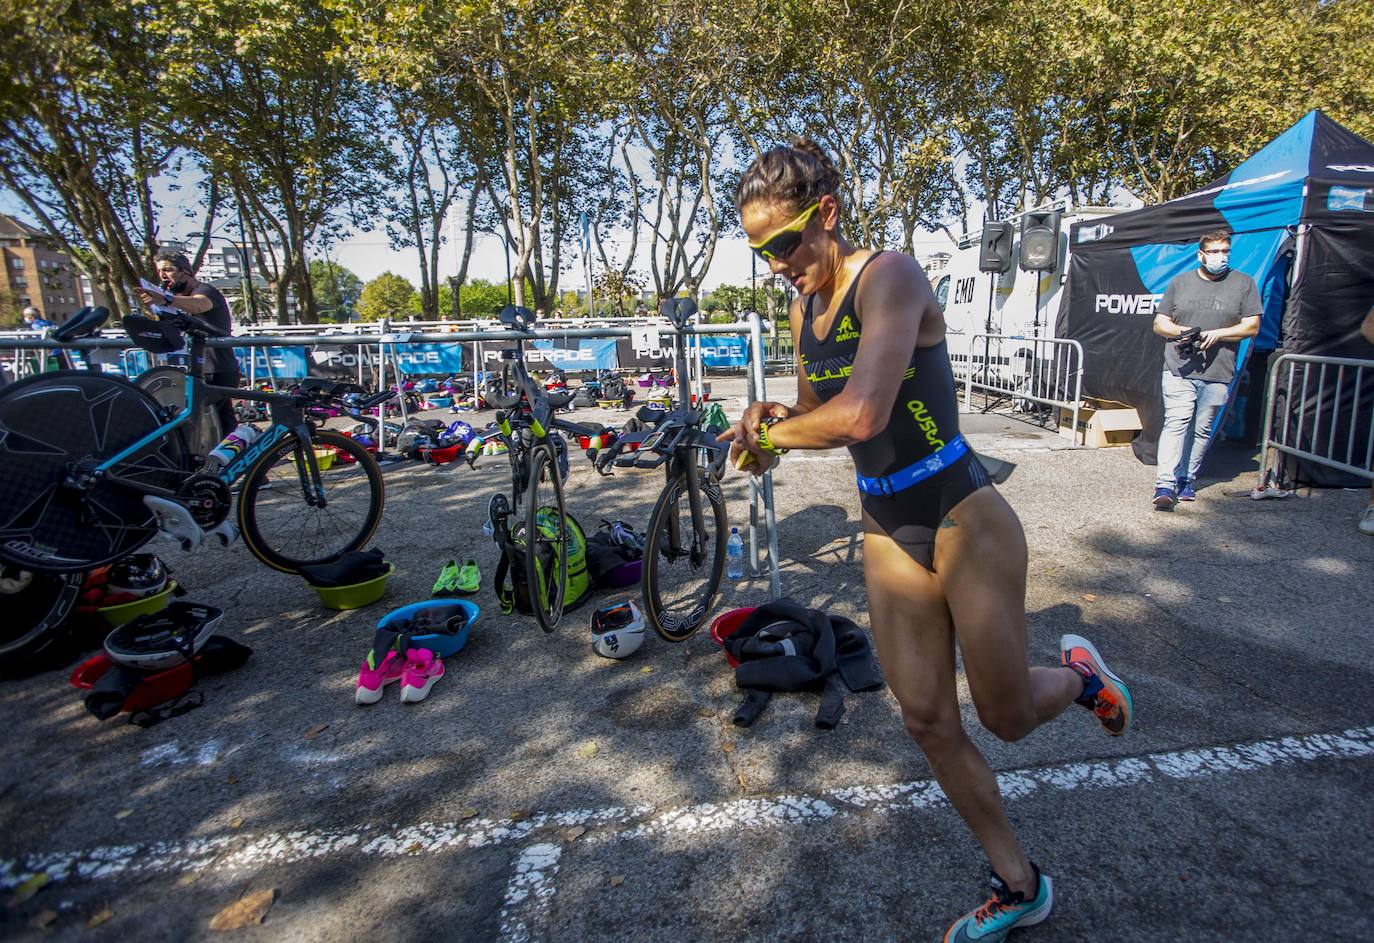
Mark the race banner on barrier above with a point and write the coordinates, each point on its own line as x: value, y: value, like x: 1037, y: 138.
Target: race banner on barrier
x: 428, y: 358
x: 719, y: 350
x: 341, y: 363
x: 642, y: 358
x: 281, y: 363
x: 572, y: 354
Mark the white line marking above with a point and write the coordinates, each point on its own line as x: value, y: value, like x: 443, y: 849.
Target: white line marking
x: 529, y: 893
x: 238, y: 852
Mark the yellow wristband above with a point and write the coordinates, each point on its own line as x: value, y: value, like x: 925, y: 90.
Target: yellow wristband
x: 765, y: 441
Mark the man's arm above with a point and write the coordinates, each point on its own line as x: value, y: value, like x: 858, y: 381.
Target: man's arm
x: 192, y: 304
x: 1165, y: 325
x: 1367, y: 328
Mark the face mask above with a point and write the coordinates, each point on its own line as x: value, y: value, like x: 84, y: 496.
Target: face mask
x: 1216, y: 264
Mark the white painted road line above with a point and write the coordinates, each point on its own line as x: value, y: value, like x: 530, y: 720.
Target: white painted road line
x: 529, y: 893
x: 240, y: 852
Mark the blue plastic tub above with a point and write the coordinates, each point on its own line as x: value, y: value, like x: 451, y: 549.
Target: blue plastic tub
x: 441, y: 643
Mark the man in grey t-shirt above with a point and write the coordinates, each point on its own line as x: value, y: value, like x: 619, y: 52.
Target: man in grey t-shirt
x: 1212, y: 309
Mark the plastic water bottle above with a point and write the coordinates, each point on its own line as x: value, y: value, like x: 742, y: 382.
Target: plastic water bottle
x: 734, y: 555
x: 232, y: 445
x: 487, y: 528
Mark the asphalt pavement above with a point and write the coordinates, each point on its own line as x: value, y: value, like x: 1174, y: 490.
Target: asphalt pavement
x: 543, y: 793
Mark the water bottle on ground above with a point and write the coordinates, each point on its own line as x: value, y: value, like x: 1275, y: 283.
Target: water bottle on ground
x: 734, y: 555
x: 231, y: 446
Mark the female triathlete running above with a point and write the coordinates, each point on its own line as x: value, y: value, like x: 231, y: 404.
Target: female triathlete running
x: 944, y: 554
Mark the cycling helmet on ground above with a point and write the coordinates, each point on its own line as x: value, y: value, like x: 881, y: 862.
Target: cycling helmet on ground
x: 617, y: 630
x: 165, y: 639
x: 136, y: 576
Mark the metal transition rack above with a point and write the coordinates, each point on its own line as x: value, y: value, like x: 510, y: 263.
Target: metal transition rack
x: 386, y: 337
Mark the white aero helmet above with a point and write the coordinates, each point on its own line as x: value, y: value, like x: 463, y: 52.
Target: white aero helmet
x: 617, y: 630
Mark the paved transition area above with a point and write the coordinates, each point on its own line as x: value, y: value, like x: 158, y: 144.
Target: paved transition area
x: 543, y: 793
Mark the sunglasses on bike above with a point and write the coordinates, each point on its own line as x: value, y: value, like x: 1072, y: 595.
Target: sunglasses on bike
x: 785, y: 241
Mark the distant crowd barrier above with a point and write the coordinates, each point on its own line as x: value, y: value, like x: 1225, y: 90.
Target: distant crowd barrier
x: 1319, y: 410
x: 1016, y: 370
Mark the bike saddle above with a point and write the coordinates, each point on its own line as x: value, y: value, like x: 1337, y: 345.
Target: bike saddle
x: 678, y: 310
x: 82, y: 324
x: 650, y: 413
x: 522, y: 319
x: 501, y: 400
x: 560, y: 398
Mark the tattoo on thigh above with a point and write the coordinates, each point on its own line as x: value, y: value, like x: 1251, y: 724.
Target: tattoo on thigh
x: 947, y: 523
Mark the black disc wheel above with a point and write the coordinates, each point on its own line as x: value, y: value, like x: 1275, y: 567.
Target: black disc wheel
x: 57, y: 427
x: 546, y: 538
x: 167, y: 385
x: 287, y: 525
x: 683, y: 563
x: 36, y: 607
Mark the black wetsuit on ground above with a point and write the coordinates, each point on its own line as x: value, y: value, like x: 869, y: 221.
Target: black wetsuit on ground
x: 924, y: 420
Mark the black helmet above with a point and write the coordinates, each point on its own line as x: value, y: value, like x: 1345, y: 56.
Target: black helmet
x: 137, y: 575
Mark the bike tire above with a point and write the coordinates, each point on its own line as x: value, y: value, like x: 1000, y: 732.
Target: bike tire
x: 167, y: 385
x: 53, y: 421
x: 35, y: 624
x: 677, y: 611
x: 262, y: 510
x: 546, y: 483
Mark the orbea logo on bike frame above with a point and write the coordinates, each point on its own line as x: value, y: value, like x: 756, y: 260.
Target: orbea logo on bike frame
x: 234, y: 469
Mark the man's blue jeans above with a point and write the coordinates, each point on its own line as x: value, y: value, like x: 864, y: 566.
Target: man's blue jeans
x: 1190, y: 410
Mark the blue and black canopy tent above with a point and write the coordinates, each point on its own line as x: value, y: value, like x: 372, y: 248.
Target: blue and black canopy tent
x: 1301, y: 211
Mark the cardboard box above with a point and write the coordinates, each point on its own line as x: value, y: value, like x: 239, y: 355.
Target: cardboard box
x: 1100, y: 428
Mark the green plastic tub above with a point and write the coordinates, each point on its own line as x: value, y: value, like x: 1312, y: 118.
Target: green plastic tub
x: 357, y: 595
x: 118, y: 615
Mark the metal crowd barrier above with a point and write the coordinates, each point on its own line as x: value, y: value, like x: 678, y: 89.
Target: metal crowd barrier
x: 1323, y: 384
x: 1020, y: 370
x: 386, y: 338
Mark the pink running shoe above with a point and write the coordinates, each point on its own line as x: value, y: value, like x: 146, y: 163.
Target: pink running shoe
x: 422, y: 669
x: 373, y: 678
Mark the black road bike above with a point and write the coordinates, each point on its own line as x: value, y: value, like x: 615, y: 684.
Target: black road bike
x: 684, y: 551
x: 538, y: 457
x: 92, y: 466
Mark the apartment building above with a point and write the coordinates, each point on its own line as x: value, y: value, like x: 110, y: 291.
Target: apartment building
x: 39, y: 275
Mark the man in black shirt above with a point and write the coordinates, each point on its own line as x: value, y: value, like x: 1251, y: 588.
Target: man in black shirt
x: 1206, y: 313
x: 205, y: 301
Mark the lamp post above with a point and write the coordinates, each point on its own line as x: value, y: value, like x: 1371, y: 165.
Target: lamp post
x: 245, y: 270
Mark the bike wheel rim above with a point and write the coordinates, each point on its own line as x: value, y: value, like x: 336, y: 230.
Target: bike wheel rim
x: 546, y: 490
x: 680, y: 586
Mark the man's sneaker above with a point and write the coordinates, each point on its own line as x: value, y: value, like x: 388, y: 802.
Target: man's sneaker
x: 1165, y: 499
x: 1367, y: 521
x: 373, y: 677
x: 469, y: 580
x: 447, y: 583
x: 1185, y: 490
x: 1104, y: 693
x: 1005, y: 911
x: 422, y: 669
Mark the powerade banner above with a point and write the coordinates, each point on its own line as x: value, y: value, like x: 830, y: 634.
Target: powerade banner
x: 341, y: 363
x: 428, y: 358
x: 281, y: 363
x: 642, y: 358
x: 724, y: 351
x: 570, y: 354
x: 1120, y: 266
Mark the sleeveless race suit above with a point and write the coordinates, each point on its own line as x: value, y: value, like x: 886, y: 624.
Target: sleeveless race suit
x: 924, y: 419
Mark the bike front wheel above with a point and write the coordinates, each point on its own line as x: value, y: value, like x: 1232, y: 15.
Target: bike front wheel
x: 287, y: 526
x: 546, y: 537
x: 683, y: 563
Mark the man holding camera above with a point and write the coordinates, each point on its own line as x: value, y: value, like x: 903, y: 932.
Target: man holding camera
x: 1205, y: 314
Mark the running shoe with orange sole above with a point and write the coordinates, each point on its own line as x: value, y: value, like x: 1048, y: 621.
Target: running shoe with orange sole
x: 1004, y: 912
x: 1105, y: 694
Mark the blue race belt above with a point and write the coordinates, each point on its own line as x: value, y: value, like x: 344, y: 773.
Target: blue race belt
x: 916, y: 472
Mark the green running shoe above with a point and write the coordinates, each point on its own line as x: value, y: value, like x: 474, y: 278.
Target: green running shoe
x: 1004, y: 912
x: 468, y: 578
x: 447, y: 583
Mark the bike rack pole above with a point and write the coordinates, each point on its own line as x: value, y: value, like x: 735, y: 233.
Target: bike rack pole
x: 770, y: 515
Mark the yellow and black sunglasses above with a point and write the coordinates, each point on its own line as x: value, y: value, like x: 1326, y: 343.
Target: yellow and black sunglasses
x: 785, y: 241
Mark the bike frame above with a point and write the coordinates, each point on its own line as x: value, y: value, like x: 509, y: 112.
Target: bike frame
x: 287, y: 416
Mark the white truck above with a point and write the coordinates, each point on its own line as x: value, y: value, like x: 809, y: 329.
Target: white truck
x: 985, y: 303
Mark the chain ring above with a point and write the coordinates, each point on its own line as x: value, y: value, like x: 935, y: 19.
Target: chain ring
x: 207, y: 498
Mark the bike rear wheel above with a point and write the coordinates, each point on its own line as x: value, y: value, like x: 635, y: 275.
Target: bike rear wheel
x: 546, y: 537
x: 683, y: 565
x: 36, y: 607
x: 167, y: 385
x: 69, y: 421
x: 285, y: 528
